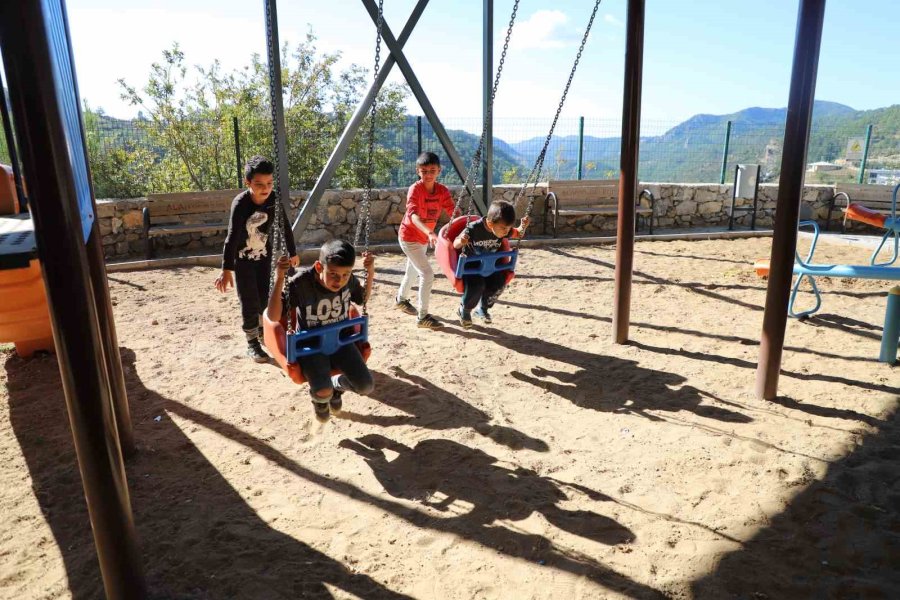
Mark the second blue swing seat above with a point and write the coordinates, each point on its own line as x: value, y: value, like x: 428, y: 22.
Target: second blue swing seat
x: 487, y: 263
x: 327, y: 339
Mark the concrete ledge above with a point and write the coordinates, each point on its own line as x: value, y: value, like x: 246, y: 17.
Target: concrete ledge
x: 309, y: 254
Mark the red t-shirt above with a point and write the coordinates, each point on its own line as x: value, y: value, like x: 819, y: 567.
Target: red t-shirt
x: 427, y: 206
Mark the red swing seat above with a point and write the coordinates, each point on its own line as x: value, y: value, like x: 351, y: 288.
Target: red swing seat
x: 448, y: 256
x: 275, y: 339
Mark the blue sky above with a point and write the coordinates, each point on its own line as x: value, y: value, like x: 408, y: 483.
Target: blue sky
x: 701, y: 56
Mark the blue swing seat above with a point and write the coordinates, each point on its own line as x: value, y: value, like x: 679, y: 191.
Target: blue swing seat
x: 327, y: 339
x: 487, y: 263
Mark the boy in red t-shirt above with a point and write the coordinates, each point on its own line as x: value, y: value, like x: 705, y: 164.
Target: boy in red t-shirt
x: 424, y: 202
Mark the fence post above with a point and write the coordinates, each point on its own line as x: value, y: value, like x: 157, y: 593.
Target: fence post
x: 418, y: 135
x: 580, y: 145
x: 862, y: 165
x: 725, y: 153
x: 237, y: 152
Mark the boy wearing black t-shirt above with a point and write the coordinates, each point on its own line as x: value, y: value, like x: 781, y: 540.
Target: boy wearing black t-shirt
x: 247, y: 252
x: 481, y: 236
x: 322, y: 295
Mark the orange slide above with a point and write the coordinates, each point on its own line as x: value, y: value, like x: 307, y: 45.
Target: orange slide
x: 24, y: 316
x: 858, y: 212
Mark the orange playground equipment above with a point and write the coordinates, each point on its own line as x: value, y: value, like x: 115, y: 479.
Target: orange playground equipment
x: 24, y: 316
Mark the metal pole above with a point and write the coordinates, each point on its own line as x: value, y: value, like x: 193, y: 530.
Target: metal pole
x: 580, y: 146
x: 273, y: 50
x: 487, y: 114
x: 891, y: 332
x: 420, y: 95
x: 862, y: 165
x: 725, y: 153
x: 631, y: 124
x: 11, y: 145
x: 237, y: 152
x: 43, y: 97
x: 105, y: 317
x: 343, y: 144
x: 418, y: 135
x: 107, y: 323
x: 807, y: 43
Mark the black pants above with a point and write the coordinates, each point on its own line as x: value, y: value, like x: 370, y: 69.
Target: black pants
x: 355, y: 374
x: 482, y: 290
x: 251, y: 278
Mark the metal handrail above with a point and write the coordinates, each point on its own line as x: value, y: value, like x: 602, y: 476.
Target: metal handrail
x: 831, y: 205
x: 647, y: 193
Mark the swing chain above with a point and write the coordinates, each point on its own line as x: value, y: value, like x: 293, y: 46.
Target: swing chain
x: 365, y: 205
x: 279, y: 243
x: 539, y: 163
x: 475, y: 167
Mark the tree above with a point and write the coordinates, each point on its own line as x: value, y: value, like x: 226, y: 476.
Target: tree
x: 191, y: 121
x: 119, y: 169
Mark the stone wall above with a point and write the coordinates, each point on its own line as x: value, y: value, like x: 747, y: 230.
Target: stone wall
x: 677, y: 206
x: 121, y: 222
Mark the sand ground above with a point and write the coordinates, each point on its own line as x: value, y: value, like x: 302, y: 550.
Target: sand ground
x: 531, y: 458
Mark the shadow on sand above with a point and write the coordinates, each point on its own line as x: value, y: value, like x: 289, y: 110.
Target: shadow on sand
x: 195, y: 530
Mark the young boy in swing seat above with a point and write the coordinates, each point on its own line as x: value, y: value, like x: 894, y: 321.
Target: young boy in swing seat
x: 425, y: 200
x: 321, y: 295
x: 479, y: 237
x: 247, y: 251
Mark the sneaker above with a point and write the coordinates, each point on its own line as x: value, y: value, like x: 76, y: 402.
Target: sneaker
x: 255, y: 351
x: 336, y: 403
x: 483, y: 314
x: 322, y: 410
x: 465, y: 318
x: 407, y: 307
x: 428, y: 322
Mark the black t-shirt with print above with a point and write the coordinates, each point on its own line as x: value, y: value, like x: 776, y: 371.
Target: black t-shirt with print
x: 315, y: 304
x: 248, y: 230
x: 481, y: 239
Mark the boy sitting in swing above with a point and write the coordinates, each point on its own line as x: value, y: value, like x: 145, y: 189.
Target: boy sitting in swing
x: 321, y: 295
x: 480, y: 237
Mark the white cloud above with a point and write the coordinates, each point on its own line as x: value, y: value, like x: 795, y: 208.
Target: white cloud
x: 608, y: 18
x: 544, y: 29
x: 113, y: 43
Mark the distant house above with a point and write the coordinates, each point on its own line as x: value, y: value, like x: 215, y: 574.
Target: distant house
x: 821, y: 166
x: 883, y: 176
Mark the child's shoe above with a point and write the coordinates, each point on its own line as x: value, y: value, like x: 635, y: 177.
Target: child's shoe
x: 255, y: 351
x: 465, y: 318
x: 336, y: 403
x: 483, y: 314
x: 428, y: 322
x: 322, y: 410
x: 406, y: 307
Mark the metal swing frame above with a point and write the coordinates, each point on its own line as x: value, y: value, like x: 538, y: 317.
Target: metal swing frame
x: 397, y: 57
x: 75, y: 278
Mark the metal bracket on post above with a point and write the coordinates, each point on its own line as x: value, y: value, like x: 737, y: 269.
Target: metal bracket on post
x: 397, y: 53
x: 343, y: 144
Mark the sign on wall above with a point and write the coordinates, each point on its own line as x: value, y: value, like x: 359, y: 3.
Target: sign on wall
x: 855, y: 148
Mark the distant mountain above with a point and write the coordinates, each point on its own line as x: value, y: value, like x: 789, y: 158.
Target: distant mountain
x: 692, y: 150
x: 506, y: 159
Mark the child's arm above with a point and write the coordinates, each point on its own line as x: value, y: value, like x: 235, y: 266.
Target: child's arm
x: 421, y: 226
x: 450, y: 207
x: 275, y: 308
x: 519, y: 231
x: 226, y: 277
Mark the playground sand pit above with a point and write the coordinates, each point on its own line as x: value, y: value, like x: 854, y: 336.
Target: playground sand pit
x: 530, y: 458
